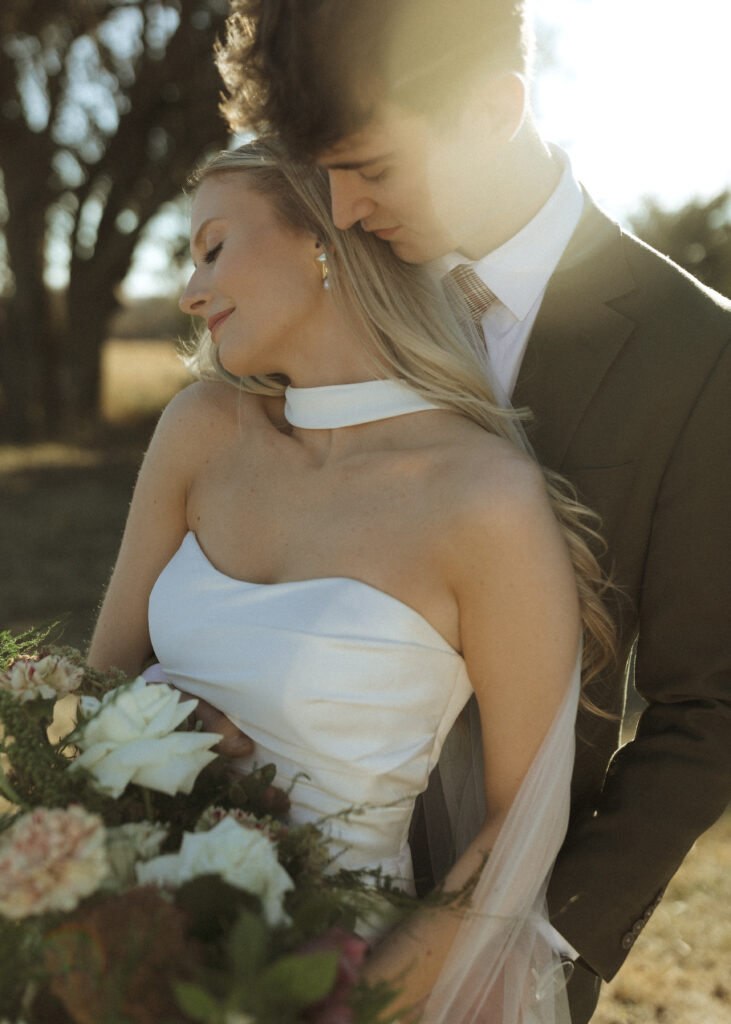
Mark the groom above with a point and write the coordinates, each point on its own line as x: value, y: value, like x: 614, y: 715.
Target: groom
x: 419, y: 111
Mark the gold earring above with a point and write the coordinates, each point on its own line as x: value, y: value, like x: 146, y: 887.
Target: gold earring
x: 322, y: 260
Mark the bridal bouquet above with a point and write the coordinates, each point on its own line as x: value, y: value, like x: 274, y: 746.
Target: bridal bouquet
x: 142, y: 883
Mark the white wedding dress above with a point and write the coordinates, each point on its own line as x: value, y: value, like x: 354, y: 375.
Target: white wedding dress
x: 351, y: 694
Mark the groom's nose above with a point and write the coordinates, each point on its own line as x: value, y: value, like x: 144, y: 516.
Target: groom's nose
x: 350, y: 200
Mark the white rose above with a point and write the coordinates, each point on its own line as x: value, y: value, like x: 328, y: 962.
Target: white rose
x: 131, y: 738
x: 129, y: 843
x: 242, y: 857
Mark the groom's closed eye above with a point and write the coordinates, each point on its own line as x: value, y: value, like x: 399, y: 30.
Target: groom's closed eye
x: 378, y: 176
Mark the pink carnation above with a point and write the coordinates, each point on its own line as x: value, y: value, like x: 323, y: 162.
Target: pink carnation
x: 271, y: 828
x: 31, y: 678
x: 50, y: 860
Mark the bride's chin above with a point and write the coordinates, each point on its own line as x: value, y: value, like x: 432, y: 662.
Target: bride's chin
x: 243, y: 368
x: 237, y: 367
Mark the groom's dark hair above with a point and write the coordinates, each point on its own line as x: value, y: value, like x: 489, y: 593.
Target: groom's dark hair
x: 314, y: 71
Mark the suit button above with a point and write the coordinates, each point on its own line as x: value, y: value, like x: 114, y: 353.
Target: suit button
x: 637, y: 927
x: 628, y: 941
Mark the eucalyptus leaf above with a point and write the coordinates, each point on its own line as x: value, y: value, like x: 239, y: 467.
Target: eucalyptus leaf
x: 197, y: 1003
x: 247, y: 944
x: 299, y: 980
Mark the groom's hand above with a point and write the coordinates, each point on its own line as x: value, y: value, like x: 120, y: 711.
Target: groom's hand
x: 233, y: 743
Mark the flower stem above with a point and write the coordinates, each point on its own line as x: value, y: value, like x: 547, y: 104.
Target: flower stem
x: 148, y: 803
x: 7, y: 790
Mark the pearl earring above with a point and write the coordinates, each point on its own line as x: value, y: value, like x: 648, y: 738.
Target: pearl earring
x: 322, y: 260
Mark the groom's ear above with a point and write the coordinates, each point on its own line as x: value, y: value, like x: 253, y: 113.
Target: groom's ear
x: 495, y: 106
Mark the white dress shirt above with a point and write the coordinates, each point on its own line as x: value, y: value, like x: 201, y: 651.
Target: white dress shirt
x: 518, y: 273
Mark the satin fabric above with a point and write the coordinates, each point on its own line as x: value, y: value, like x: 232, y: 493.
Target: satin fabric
x: 351, y: 694
x: 348, y: 691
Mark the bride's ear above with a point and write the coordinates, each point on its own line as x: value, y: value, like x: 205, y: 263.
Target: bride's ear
x: 321, y: 258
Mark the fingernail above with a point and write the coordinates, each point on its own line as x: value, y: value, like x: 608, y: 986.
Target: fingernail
x: 240, y: 746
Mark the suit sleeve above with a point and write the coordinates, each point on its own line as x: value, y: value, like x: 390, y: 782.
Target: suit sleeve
x: 673, y: 780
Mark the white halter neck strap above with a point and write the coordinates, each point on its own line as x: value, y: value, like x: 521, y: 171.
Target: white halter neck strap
x: 347, y: 405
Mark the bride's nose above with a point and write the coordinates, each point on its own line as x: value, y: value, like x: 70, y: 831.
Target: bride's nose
x: 194, y: 298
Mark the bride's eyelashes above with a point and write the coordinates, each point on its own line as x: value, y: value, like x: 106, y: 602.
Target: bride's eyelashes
x: 210, y: 256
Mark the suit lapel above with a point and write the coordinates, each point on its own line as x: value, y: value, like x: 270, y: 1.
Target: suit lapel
x: 576, y: 337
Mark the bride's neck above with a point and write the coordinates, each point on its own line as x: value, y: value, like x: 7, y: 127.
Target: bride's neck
x: 332, y: 361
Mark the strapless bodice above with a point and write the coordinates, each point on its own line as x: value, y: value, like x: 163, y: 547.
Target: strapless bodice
x: 346, y: 689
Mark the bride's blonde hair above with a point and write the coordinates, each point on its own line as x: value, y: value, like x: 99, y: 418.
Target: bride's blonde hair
x: 411, y: 332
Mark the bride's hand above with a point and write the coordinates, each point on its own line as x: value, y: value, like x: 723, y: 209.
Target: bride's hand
x: 233, y: 743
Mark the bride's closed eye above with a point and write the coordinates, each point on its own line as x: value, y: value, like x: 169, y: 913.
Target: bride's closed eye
x: 210, y: 256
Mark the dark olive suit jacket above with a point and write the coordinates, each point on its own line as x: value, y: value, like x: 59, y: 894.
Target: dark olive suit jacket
x: 628, y: 376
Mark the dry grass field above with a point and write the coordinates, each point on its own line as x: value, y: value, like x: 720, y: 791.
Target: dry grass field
x: 62, y: 510
x: 679, y: 971
x: 138, y: 378
x: 62, y: 507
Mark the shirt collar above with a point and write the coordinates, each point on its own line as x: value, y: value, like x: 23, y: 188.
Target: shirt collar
x: 519, y: 270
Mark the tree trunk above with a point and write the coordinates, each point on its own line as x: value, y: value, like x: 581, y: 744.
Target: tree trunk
x: 29, y: 355
x: 87, y: 321
x: 50, y: 364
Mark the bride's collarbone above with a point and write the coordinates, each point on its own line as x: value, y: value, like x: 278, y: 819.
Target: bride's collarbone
x: 273, y: 529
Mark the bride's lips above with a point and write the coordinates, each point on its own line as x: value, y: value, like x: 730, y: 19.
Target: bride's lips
x: 217, y: 319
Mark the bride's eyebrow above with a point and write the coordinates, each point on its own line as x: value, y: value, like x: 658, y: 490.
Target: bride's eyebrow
x: 195, y: 244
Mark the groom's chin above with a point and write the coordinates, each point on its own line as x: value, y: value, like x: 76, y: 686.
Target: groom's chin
x: 411, y: 252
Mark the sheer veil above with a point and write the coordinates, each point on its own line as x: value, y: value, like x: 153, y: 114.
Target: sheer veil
x: 501, y: 969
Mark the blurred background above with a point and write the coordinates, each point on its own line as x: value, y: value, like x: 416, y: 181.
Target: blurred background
x: 107, y: 105
x: 105, y: 108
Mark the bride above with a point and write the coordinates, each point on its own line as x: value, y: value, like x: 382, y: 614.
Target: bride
x: 337, y: 540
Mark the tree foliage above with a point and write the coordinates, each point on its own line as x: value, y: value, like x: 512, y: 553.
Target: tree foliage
x: 105, y: 107
x: 697, y: 237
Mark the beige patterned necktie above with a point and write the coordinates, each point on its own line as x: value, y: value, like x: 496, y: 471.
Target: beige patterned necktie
x: 465, y: 283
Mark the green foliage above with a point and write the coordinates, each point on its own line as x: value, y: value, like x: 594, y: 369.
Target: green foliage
x: 198, y: 1004
x: 296, y: 982
x: 20, y: 944
x: 248, y: 945
x: 131, y: 954
x: 253, y: 979
x: 697, y: 237
x: 212, y: 907
x: 15, y: 645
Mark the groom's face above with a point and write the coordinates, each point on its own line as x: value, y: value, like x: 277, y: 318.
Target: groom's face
x: 408, y: 182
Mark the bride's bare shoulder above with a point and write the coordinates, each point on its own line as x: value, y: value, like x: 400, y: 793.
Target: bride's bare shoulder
x: 491, y: 494
x: 207, y: 409
x: 204, y: 400
x: 491, y: 473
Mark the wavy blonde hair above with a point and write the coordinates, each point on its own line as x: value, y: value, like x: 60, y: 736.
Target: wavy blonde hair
x: 412, y: 332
